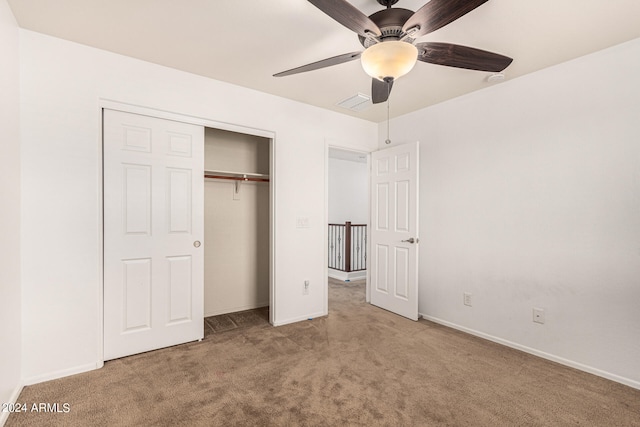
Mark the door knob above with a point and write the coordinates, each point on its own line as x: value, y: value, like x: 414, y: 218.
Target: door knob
x: 410, y: 240
x: 196, y: 243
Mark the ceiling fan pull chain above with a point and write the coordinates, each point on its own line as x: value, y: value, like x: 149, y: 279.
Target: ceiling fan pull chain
x: 388, y: 140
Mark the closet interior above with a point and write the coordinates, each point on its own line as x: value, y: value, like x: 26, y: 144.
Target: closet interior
x: 236, y: 222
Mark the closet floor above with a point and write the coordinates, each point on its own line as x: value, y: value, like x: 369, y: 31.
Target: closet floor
x: 258, y: 317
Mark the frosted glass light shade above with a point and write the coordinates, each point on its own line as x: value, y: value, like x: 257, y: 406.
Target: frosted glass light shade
x: 389, y: 59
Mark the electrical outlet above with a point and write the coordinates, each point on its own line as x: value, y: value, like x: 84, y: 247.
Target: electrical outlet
x: 538, y: 315
x: 466, y: 298
x: 305, y: 289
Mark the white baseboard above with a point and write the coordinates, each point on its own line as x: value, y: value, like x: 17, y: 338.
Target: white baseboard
x: 299, y: 319
x: 63, y: 373
x: 235, y: 309
x: 343, y: 275
x: 595, y: 371
x: 4, y: 416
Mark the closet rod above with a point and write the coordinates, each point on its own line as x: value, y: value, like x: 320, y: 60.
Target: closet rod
x: 236, y: 178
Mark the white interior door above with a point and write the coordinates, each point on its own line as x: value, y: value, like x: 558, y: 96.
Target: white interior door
x: 394, y: 231
x: 153, y: 231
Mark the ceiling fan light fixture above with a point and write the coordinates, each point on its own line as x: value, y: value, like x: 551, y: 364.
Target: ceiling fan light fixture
x: 389, y: 59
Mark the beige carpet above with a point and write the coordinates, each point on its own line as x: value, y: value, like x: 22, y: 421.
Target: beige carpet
x: 242, y: 319
x: 358, y: 366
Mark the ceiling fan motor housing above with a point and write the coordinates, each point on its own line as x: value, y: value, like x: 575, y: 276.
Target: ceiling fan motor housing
x: 390, y: 22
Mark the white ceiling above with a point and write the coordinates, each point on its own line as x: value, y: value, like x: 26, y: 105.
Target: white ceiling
x: 245, y: 42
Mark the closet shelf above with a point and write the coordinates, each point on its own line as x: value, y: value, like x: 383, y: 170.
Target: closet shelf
x: 236, y: 176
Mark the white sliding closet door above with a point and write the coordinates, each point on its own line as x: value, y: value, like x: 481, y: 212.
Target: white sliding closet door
x: 153, y: 231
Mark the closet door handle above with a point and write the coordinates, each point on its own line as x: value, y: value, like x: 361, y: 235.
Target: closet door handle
x: 196, y: 243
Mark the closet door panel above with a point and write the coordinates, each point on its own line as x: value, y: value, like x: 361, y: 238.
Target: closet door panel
x: 137, y: 199
x: 180, y: 285
x: 136, y: 138
x: 153, y: 217
x: 137, y: 294
x: 179, y: 200
x: 180, y: 144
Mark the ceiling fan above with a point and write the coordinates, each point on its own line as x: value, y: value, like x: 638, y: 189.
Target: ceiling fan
x: 389, y: 37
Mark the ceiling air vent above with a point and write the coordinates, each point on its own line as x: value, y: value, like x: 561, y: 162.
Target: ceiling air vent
x: 357, y: 102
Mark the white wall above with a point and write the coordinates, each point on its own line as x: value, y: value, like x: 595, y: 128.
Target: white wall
x: 10, y: 312
x: 530, y: 197
x: 62, y: 83
x: 348, y: 191
x: 236, y: 225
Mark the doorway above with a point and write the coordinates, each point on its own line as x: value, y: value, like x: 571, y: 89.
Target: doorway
x: 236, y: 222
x: 393, y: 228
x: 347, y: 216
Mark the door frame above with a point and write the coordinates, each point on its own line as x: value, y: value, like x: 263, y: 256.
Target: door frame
x: 330, y: 143
x: 184, y: 118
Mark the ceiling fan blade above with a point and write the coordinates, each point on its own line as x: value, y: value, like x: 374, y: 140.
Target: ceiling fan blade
x: 380, y: 90
x: 343, y: 12
x: 438, y: 13
x: 321, y: 64
x: 453, y: 55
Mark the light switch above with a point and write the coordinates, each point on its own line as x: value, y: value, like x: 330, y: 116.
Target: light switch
x: 302, y: 222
